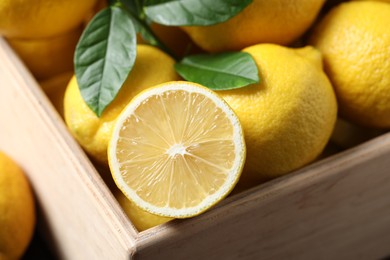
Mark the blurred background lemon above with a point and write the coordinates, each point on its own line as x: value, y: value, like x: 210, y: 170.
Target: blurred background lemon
x: 354, y: 39
x: 263, y: 21
x: 55, y: 87
x: 346, y: 134
x: 140, y: 218
x: 17, y: 210
x: 47, y: 57
x: 25, y: 19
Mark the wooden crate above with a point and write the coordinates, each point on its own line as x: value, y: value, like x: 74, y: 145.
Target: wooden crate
x: 336, y: 208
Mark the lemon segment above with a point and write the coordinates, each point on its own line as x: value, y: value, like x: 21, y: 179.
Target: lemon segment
x: 176, y: 150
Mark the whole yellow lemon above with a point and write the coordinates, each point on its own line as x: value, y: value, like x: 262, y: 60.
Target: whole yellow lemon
x: 263, y: 21
x: 17, y: 210
x: 152, y: 67
x: 41, y: 18
x: 55, y: 87
x: 354, y: 39
x: 141, y: 219
x: 289, y: 116
x: 347, y: 135
x: 48, y: 57
x: 386, y: 1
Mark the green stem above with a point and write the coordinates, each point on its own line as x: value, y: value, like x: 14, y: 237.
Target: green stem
x: 139, y: 4
x: 141, y: 19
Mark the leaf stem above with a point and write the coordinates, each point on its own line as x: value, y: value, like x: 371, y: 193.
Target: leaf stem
x: 141, y: 19
x: 139, y: 4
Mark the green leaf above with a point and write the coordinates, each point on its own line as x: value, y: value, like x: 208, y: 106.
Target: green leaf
x: 193, y: 12
x: 104, y: 57
x: 219, y: 71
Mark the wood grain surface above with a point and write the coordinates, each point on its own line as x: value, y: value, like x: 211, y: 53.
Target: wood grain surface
x: 79, y: 215
x: 338, y: 208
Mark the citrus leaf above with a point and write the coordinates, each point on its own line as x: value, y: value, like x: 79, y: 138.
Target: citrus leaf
x: 104, y: 57
x: 219, y: 71
x: 193, y: 12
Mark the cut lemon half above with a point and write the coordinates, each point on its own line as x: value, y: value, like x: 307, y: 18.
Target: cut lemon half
x: 177, y: 149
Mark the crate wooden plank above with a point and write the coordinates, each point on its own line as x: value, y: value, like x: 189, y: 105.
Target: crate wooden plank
x: 82, y: 219
x: 338, y: 208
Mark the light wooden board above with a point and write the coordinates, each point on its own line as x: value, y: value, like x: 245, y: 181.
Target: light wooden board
x: 338, y: 208
x: 78, y: 213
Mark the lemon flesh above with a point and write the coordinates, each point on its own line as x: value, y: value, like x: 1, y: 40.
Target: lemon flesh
x: 177, y: 149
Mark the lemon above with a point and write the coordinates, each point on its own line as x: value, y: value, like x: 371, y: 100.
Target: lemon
x: 141, y: 219
x: 47, y: 57
x: 152, y: 66
x: 354, y: 39
x: 17, y: 210
x: 386, y: 1
x: 176, y: 150
x: 99, y: 6
x: 289, y: 116
x: 263, y: 21
x: 55, y: 87
x: 347, y: 134
x: 41, y: 18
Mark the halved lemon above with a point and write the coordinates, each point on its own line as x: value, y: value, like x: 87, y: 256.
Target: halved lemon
x: 177, y: 149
